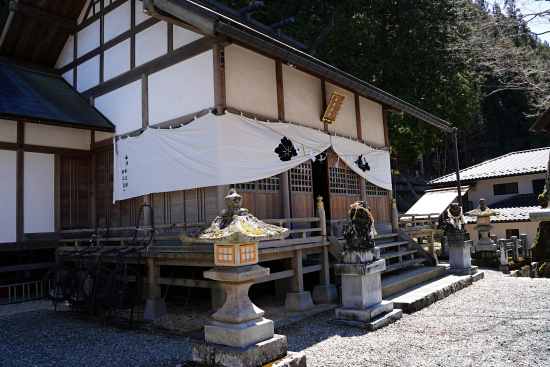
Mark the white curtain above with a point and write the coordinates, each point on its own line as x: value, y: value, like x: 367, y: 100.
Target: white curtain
x: 221, y: 150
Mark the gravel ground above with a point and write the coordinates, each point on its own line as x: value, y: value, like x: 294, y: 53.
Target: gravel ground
x: 497, y: 321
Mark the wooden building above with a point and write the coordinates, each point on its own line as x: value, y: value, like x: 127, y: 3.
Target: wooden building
x: 160, y: 63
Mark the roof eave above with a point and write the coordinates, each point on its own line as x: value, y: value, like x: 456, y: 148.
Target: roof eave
x: 53, y: 122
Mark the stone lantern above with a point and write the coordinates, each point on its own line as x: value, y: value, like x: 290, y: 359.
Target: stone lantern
x: 239, y: 334
x: 486, y: 249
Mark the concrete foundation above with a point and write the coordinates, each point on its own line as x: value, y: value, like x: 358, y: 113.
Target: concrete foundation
x: 154, y: 309
x: 299, y: 301
x: 257, y: 354
x: 325, y: 294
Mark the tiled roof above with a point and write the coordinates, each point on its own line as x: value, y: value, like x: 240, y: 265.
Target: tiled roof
x: 39, y: 96
x: 513, y: 209
x: 511, y: 164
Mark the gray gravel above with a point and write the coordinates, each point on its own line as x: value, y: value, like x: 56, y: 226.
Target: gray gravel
x: 497, y: 321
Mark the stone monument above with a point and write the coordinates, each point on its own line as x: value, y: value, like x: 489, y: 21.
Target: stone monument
x: 486, y: 250
x: 360, y: 268
x: 459, y: 243
x: 239, y: 334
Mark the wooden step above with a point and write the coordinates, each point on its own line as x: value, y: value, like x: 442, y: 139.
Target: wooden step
x: 403, y: 264
x: 397, y: 254
x: 391, y: 244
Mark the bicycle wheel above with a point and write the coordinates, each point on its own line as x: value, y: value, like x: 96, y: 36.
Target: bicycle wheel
x: 93, y: 284
x: 70, y: 287
x: 52, y: 283
x: 124, y: 287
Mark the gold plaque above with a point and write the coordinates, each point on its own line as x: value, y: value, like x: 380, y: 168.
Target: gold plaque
x: 333, y: 108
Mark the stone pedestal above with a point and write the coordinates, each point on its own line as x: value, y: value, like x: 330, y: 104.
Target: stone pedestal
x: 300, y: 301
x: 154, y: 309
x: 459, y: 254
x: 362, y: 303
x: 325, y: 294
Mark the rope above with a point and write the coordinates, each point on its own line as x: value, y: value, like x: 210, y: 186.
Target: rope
x: 359, y: 207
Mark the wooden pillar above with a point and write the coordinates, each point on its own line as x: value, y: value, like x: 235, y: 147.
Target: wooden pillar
x: 20, y: 186
x: 324, y: 275
x: 285, y: 193
x: 219, y: 77
x: 152, y: 275
x: 57, y: 192
x: 297, y: 282
x: 362, y: 189
x: 358, y: 117
x: 144, y: 100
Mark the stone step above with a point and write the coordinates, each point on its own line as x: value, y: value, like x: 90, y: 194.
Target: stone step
x: 403, y: 264
x: 407, y: 278
x: 391, y: 244
x: 397, y: 254
x: 422, y: 295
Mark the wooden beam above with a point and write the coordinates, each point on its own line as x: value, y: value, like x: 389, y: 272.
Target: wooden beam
x: 358, y: 116
x: 324, y: 100
x: 144, y: 100
x: 280, y: 90
x: 159, y: 14
x: 5, y: 269
x: 183, y: 53
x: 42, y: 15
x: 107, y: 45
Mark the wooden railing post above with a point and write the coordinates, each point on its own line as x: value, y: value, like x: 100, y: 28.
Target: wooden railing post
x: 322, y: 215
x: 394, y: 216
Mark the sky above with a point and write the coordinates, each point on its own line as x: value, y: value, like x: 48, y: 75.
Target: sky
x: 537, y: 25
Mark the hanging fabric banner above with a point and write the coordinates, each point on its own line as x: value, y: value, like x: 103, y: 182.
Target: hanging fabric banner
x: 227, y: 149
x: 371, y: 164
x: 210, y: 151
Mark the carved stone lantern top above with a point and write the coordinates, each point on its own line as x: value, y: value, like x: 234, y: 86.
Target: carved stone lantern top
x: 482, y: 210
x: 235, y: 225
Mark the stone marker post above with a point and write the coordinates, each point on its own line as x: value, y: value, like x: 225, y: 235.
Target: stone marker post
x: 444, y: 246
x: 515, y: 249
x: 239, y: 334
x: 503, y: 255
x: 360, y: 268
x: 525, y: 249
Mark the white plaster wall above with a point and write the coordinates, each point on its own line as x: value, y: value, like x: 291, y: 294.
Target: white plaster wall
x: 39, y: 208
x: 117, y: 21
x: 69, y: 77
x: 181, y: 89
x: 528, y: 228
x: 88, y: 38
x: 250, y: 81
x: 372, y: 122
x: 56, y: 136
x: 151, y: 43
x: 8, y: 132
x: 87, y: 74
x: 101, y: 135
x: 116, y: 60
x: 303, y: 98
x: 484, y: 188
x: 345, y: 122
x: 140, y: 16
x: 122, y: 107
x: 183, y: 37
x: 8, y: 196
x: 67, y: 54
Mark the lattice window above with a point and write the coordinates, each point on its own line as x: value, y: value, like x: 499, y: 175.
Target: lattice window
x: 244, y: 186
x: 337, y: 179
x: 300, y: 178
x: 373, y: 190
x: 269, y: 184
x: 353, y: 183
x: 370, y: 188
